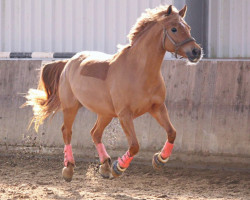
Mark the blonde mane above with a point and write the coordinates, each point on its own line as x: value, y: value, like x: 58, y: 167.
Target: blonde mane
x: 144, y: 22
x: 147, y: 19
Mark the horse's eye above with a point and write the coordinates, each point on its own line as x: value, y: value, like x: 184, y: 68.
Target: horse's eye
x: 174, y: 30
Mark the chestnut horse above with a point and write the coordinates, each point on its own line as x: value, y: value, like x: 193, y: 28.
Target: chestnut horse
x: 125, y: 85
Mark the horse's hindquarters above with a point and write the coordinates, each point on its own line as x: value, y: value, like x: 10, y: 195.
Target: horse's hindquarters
x: 85, y: 75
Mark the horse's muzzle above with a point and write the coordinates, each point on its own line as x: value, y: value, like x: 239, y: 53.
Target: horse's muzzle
x: 195, y: 55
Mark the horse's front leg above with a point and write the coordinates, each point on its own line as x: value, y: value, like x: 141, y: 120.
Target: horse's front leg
x: 160, y: 113
x: 120, y: 165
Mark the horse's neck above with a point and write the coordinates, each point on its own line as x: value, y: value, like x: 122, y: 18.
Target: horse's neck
x: 147, y: 52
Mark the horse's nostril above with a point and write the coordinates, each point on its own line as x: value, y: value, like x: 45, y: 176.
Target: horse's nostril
x: 196, y: 52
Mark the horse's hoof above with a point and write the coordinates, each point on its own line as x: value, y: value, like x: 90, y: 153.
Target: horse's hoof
x: 67, y: 172
x: 158, y: 162
x: 116, y: 169
x: 105, y: 169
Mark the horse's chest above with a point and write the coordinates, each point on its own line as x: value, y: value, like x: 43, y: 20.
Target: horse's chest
x: 143, y: 102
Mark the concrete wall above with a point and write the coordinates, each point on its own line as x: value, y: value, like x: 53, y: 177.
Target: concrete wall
x: 209, y: 104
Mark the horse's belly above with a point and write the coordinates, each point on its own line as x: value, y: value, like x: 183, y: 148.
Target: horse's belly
x: 93, y: 94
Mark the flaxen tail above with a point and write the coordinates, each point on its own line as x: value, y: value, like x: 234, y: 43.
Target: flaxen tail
x: 45, y: 99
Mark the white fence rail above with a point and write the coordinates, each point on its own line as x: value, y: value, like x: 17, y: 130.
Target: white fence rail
x: 229, y: 29
x: 76, y: 25
x: 68, y: 25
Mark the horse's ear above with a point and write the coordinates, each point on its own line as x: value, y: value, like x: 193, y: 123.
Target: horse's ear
x: 169, y: 10
x: 183, y: 11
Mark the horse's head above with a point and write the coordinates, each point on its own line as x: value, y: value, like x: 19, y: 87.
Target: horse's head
x: 177, y: 37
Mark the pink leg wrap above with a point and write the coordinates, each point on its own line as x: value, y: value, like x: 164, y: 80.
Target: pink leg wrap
x: 103, y: 155
x: 167, y: 149
x: 125, y: 160
x: 68, y: 155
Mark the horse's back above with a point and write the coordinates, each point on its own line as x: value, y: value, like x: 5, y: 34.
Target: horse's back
x: 93, y: 55
x: 96, y: 65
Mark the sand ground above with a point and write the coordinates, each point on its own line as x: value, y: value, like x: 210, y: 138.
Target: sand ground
x: 33, y: 176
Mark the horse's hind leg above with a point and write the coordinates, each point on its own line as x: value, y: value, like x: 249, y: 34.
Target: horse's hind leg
x: 69, y: 162
x: 70, y: 106
x: 96, y: 133
x: 160, y: 113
